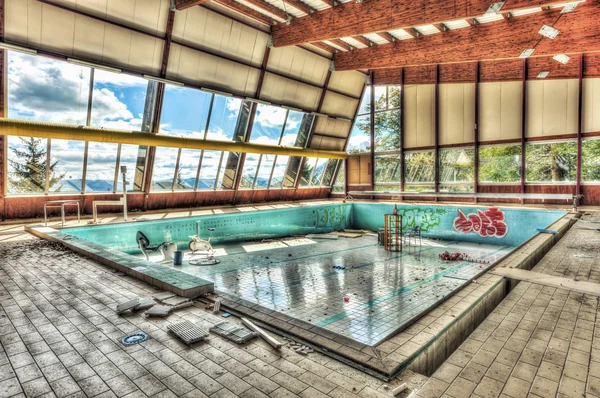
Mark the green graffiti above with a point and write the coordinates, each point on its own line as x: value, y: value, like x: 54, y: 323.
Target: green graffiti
x: 334, y: 217
x: 426, y: 218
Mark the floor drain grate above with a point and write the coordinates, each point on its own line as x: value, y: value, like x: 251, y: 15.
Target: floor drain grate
x: 135, y: 338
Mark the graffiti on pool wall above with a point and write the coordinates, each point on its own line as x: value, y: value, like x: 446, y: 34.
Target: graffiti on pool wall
x: 485, y: 223
x: 334, y: 217
x: 425, y: 218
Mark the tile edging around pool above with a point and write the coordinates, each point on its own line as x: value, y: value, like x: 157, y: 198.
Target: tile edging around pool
x: 164, y: 278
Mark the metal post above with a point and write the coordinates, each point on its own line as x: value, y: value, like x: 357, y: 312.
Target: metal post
x: 372, y: 130
x: 579, y: 129
x: 124, y: 172
x: 401, y: 121
x: 476, y: 135
x: 436, y: 138
x: 523, y: 125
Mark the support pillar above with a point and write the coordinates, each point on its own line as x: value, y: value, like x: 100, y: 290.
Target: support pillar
x: 579, y: 127
x: 523, y: 126
x: 476, y: 135
x: 436, y: 138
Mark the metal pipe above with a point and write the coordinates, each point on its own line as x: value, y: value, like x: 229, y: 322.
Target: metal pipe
x: 579, y: 131
x: 523, y: 125
x: 21, y: 128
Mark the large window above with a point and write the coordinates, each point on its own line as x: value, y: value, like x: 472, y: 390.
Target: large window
x: 500, y: 163
x: 456, y: 165
x: 185, y: 112
x: 387, y: 172
x: 102, y: 162
x: 66, y: 160
x: 419, y: 171
x: 553, y: 162
x: 338, y: 186
x: 590, y: 160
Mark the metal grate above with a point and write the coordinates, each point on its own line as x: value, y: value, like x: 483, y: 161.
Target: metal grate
x: 135, y: 338
x: 188, y: 332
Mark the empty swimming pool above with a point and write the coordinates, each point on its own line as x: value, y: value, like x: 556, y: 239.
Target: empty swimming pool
x: 350, y: 287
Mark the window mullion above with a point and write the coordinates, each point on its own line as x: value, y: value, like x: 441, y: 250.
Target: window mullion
x: 210, y: 108
x: 48, y: 163
x: 198, y: 171
x: 176, y: 170
x: 257, y: 170
x: 219, y: 170
x: 272, y: 170
x: 116, y: 179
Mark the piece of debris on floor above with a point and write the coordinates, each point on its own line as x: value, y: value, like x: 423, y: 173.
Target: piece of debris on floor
x: 265, y: 336
x: 187, y: 332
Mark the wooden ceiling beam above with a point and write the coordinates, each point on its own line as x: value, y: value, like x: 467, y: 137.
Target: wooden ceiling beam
x: 355, y: 19
x: 324, y: 47
x: 579, y: 32
x: 183, y: 4
x: 247, y: 11
x: 297, y: 4
x: 387, y: 36
x: 363, y: 40
x: 267, y: 7
x: 342, y: 44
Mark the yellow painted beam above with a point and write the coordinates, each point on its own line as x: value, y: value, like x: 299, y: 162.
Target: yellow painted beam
x: 25, y: 128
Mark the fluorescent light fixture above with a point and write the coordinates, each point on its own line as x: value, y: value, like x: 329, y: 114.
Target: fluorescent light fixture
x: 549, y: 32
x: 319, y: 114
x: 344, y: 119
x: 258, y: 101
x: 93, y: 65
x: 13, y: 47
x: 562, y: 58
x: 569, y: 8
x: 543, y: 75
x: 527, y: 53
x: 161, y: 80
x: 495, y: 7
x: 289, y: 108
x: 224, y: 94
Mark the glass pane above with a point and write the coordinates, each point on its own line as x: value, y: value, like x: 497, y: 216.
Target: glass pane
x: 387, y: 169
x: 387, y: 131
x: 380, y: 98
x: 164, y: 169
x: 281, y: 164
x: 590, y: 160
x: 264, y: 172
x: 360, y: 137
x: 66, y: 160
x: 47, y: 90
x: 184, y: 112
x: 292, y: 127
x: 129, y: 159
x: 208, y: 171
x: 27, y: 165
x: 457, y: 188
x: 291, y: 172
x: 223, y: 118
x: 419, y: 188
x: 338, y: 187
x: 249, y: 173
x: 387, y: 188
x: 364, y: 104
x: 309, y: 166
x: 456, y: 165
x: 552, y: 162
x: 268, y: 124
x: 500, y: 164
x: 227, y: 170
x: 394, y: 97
x: 329, y: 171
x: 102, y: 160
x: 188, y: 168
x: 118, y: 100
x: 419, y: 167
x: 319, y: 170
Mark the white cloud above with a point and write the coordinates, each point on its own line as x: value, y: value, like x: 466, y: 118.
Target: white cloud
x: 270, y: 116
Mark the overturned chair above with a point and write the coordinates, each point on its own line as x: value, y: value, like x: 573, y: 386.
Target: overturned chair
x: 167, y: 249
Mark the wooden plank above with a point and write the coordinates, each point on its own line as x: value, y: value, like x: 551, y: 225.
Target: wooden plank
x: 499, y: 40
x: 266, y: 336
x: 359, y: 18
x: 549, y: 280
x: 247, y: 11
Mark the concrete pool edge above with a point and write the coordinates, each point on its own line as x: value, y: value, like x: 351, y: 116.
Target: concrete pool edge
x: 430, y: 355
x: 154, y: 274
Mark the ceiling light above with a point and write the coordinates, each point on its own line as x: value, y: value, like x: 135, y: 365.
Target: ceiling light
x: 495, y: 7
x: 209, y: 90
x: 569, y: 8
x: 543, y: 75
x: 20, y: 49
x: 258, y: 101
x: 161, y: 80
x: 93, y: 65
x: 527, y: 53
x: 549, y: 32
x: 562, y: 58
x: 319, y: 114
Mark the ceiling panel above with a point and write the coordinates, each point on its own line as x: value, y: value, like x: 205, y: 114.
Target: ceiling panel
x: 299, y: 63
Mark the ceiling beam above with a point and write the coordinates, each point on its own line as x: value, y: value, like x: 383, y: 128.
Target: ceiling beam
x: 324, y: 47
x: 387, y: 36
x: 579, y: 32
x: 342, y: 44
x: 247, y: 11
x: 363, y: 40
x: 373, y: 16
x: 183, y: 4
x: 297, y: 4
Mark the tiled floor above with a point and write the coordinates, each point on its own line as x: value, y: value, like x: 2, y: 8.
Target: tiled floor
x: 376, y: 293
x: 540, y: 341
x: 59, y: 338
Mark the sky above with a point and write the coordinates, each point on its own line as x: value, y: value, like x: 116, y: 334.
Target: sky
x: 49, y: 90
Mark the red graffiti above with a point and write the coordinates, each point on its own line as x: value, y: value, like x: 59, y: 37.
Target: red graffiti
x: 485, y: 223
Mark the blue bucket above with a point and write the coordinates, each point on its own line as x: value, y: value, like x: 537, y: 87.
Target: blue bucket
x: 177, y: 257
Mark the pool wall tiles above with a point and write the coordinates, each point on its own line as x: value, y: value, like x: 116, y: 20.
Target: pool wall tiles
x: 228, y: 227
x: 435, y: 221
x: 506, y: 226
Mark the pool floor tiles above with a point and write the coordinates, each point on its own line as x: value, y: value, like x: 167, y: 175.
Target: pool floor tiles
x: 371, y: 295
